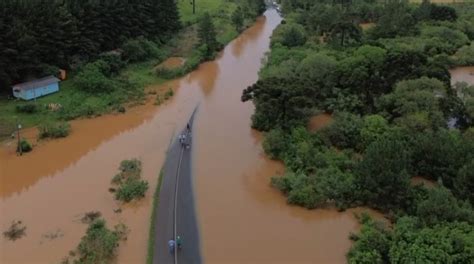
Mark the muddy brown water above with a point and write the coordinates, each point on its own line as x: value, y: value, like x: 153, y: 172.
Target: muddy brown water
x: 462, y: 74
x: 242, y: 219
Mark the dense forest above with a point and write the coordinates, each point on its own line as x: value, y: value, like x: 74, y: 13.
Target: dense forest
x: 380, y: 69
x: 38, y: 37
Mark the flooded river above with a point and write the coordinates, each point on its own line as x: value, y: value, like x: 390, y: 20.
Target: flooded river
x: 242, y: 219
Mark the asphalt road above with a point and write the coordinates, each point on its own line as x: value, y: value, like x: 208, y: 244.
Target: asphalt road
x: 177, y: 169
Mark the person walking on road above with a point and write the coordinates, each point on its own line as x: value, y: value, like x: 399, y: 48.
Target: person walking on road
x: 171, y: 245
x: 179, y: 242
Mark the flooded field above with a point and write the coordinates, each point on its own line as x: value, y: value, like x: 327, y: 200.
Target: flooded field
x: 242, y: 219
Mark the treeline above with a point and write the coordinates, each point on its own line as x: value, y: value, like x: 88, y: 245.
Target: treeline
x: 396, y: 116
x: 37, y: 37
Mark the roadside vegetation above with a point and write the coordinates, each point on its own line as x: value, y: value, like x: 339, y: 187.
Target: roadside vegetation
x: 107, y: 73
x: 129, y: 185
x: 152, y: 230
x: 396, y: 116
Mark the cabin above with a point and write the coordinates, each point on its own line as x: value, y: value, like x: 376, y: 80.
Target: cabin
x: 36, y: 88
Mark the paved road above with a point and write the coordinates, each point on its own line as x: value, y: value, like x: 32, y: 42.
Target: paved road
x: 177, y: 169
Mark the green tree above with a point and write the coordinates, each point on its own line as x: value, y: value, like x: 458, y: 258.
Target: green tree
x: 382, y: 175
x: 238, y: 18
x: 441, y: 206
x: 207, y: 34
x: 464, y: 182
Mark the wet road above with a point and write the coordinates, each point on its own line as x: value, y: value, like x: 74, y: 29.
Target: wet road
x: 176, y: 214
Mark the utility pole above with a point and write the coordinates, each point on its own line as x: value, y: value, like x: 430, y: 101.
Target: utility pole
x: 18, y: 127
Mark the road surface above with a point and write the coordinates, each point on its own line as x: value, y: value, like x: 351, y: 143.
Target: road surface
x: 177, y: 218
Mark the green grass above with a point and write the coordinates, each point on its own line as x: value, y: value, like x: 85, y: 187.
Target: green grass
x: 212, y: 6
x: 77, y: 103
x: 143, y: 73
x: 151, y: 233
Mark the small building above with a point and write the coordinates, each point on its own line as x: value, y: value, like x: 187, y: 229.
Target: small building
x: 37, y: 88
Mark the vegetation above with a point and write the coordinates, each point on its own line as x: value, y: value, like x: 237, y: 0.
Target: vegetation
x: 108, y: 72
x: 100, y: 244
x: 15, y: 231
x: 396, y: 116
x: 54, y: 130
x: 75, y: 32
x: 24, y: 146
x: 151, y: 232
x: 130, y: 186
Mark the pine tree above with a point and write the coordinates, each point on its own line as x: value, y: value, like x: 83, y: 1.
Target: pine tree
x: 207, y: 34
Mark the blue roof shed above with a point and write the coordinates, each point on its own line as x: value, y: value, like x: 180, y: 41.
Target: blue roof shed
x: 37, y: 88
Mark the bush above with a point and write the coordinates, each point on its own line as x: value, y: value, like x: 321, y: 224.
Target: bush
x: 54, y: 130
x: 131, y: 189
x: 27, y: 108
x: 114, y: 62
x: 465, y: 55
x: 92, y: 79
x: 24, y: 145
x: 344, y: 132
x: 130, y: 185
x: 99, y: 244
x: 290, y: 35
x: 275, y: 144
x: 168, y: 94
x: 141, y: 49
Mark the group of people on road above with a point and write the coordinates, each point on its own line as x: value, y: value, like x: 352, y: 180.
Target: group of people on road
x: 185, y: 137
x: 184, y: 141
x: 172, y: 244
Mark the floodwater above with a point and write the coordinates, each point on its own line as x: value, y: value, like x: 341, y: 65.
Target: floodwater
x: 242, y: 219
x: 319, y: 121
x: 462, y: 74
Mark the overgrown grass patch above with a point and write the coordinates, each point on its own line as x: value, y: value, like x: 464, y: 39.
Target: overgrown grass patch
x: 54, y: 130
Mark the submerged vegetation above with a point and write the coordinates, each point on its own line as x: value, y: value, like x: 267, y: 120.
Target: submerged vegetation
x: 99, y: 244
x: 130, y: 186
x: 15, y: 231
x: 396, y: 116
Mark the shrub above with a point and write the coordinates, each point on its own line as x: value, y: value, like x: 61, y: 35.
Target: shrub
x: 24, y: 145
x: 344, y: 132
x: 54, y: 130
x: 465, y: 55
x: 15, y: 231
x: 141, y: 49
x: 275, y: 144
x: 27, y: 108
x: 130, y: 185
x: 92, y: 78
x: 169, y: 94
x: 99, y: 244
x: 291, y: 35
x: 131, y: 189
